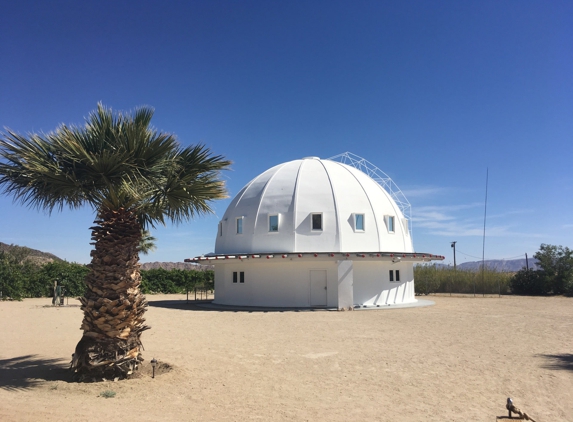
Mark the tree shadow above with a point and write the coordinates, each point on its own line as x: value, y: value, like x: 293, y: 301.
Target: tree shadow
x: 24, y: 372
x: 562, y: 361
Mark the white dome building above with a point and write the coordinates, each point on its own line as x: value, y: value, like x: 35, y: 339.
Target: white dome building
x: 314, y: 233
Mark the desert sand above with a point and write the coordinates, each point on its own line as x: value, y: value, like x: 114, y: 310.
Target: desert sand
x: 455, y: 361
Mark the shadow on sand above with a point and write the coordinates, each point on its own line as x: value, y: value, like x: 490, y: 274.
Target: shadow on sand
x: 561, y: 361
x: 207, y: 305
x: 25, y: 372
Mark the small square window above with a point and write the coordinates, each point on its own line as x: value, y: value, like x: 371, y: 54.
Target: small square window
x: 239, y: 225
x: 242, y: 277
x: 392, y: 277
x: 234, y: 276
x: 359, y: 222
x: 273, y: 223
x: 316, y: 221
x: 391, y: 224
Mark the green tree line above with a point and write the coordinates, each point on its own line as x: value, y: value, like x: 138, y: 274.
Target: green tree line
x: 555, y: 276
x: 22, y: 278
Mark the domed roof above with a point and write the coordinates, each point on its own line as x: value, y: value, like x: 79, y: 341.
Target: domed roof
x: 312, y: 205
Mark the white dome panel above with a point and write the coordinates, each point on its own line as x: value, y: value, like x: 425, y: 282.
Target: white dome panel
x: 314, y: 195
x: 298, y: 189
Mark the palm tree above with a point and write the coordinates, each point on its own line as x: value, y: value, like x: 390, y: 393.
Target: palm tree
x: 147, y: 242
x: 134, y: 178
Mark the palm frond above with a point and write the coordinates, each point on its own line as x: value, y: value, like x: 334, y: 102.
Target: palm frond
x: 147, y: 243
x: 114, y: 161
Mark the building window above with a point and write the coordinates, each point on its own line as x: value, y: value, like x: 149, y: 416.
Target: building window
x: 238, y: 276
x: 359, y: 222
x: 391, y: 276
x: 273, y: 223
x: 391, y: 223
x: 316, y: 221
x: 239, y: 225
x: 220, y: 228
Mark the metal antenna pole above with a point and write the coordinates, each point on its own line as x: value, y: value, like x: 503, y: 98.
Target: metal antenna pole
x: 483, y: 248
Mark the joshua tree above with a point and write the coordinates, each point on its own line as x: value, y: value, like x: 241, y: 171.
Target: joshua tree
x: 134, y: 178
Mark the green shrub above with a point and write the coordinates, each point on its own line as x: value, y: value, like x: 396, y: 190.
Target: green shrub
x: 529, y: 282
x: 175, y: 281
x: 70, y: 275
x: 108, y: 394
x: 13, y: 276
x: 556, y: 264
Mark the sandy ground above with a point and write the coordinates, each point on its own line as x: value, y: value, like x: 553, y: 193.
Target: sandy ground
x: 455, y: 361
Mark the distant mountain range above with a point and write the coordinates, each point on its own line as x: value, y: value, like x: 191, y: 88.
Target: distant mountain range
x: 30, y: 254
x: 505, y: 265
x: 41, y: 258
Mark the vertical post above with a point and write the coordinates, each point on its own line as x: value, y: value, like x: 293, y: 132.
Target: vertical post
x: 455, y: 268
x: 526, y: 262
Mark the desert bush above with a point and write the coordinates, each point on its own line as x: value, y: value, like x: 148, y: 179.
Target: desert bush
x: 435, y: 279
x: 529, y: 282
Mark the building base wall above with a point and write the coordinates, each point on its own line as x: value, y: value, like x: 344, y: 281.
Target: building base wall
x: 296, y: 282
x: 372, y: 285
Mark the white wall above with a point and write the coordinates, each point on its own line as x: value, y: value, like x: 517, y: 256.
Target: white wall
x: 276, y: 282
x: 372, y: 285
x: 285, y: 282
x: 345, y: 284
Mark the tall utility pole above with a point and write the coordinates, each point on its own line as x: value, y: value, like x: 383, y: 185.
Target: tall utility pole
x: 454, y: 246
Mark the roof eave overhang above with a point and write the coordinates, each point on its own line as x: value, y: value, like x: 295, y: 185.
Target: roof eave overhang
x: 367, y: 256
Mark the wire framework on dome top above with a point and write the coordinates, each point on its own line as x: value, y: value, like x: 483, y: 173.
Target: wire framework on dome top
x: 381, y: 178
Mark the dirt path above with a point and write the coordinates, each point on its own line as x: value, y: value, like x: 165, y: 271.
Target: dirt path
x: 456, y: 361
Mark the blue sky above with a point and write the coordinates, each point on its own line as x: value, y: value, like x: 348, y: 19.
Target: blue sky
x: 431, y: 92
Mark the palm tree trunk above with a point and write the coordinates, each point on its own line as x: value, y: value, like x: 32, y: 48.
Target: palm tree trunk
x: 113, y: 304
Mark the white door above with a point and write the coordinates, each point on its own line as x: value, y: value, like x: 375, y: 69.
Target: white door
x: 317, y: 287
